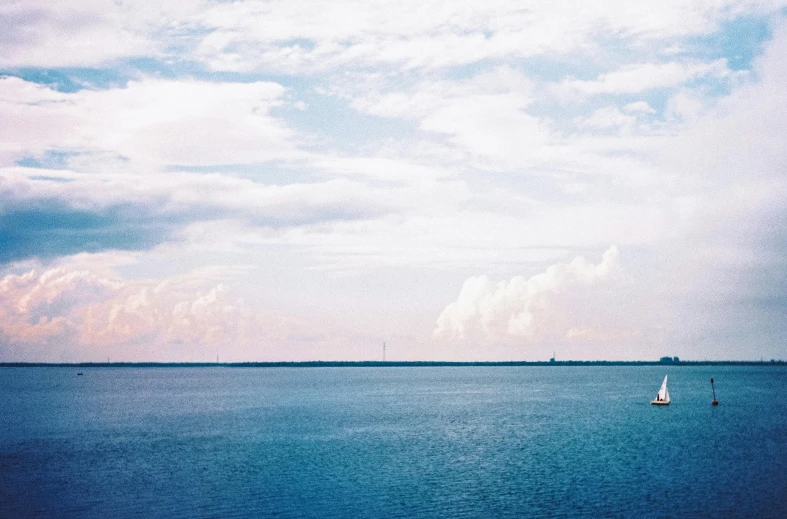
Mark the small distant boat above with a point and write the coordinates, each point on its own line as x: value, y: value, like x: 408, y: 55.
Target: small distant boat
x: 79, y: 374
x: 662, y: 398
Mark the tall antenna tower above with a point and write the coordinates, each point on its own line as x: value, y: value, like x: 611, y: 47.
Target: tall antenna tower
x: 383, y: 351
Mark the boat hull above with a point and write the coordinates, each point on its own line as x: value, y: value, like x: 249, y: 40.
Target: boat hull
x: 659, y: 402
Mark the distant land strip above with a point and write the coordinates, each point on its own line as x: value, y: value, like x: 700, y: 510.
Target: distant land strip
x: 390, y: 364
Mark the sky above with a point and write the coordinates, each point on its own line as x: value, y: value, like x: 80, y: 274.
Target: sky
x: 501, y: 180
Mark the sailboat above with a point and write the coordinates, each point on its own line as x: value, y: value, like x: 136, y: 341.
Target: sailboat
x: 662, y: 398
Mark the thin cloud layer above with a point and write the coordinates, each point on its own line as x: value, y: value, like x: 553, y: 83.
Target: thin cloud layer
x: 245, y: 36
x: 279, y: 36
x: 150, y: 122
x: 637, y: 78
x: 56, y: 213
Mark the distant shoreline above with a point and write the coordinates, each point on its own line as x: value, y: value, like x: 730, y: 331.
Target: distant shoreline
x: 387, y: 364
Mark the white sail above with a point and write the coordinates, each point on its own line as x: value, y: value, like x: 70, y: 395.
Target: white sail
x: 663, y: 395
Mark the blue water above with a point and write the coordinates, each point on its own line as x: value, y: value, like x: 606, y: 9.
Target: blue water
x: 392, y: 442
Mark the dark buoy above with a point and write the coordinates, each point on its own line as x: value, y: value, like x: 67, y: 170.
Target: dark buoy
x: 715, y: 402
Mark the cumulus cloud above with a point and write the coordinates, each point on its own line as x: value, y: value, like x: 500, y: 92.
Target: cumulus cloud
x: 522, y: 307
x: 82, y: 315
x: 39, y: 306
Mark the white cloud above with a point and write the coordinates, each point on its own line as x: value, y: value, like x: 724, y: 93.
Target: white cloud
x: 48, y: 213
x: 739, y: 136
x: 639, y: 107
x: 523, y: 307
x: 152, y: 122
x: 74, y: 314
x: 36, y: 307
x: 488, y: 172
x: 379, y: 98
x: 192, y: 196
x: 37, y: 33
x: 319, y: 36
x: 493, y: 127
x: 484, y: 118
x: 63, y: 312
x: 609, y: 117
x: 398, y: 171
x: 638, y: 78
x: 685, y: 105
x: 495, y: 121
x: 58, y: 34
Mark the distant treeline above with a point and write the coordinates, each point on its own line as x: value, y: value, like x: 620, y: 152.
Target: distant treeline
x: 392, y: 364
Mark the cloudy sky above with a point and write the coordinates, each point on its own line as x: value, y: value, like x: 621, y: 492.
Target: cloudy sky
x: 281, y: 180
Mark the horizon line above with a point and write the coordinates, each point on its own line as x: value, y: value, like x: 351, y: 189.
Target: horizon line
x: 395, y: 363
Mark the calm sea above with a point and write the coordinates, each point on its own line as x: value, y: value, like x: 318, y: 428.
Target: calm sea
x: 392, y: 442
